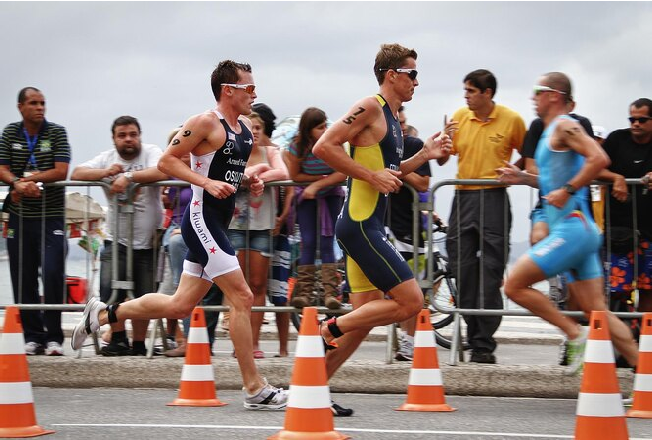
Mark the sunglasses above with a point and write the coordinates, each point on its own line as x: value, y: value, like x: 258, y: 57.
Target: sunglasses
x: 248, y: 88
x: 411, y: 73
x: 540, y: 89
x: 640, y: 120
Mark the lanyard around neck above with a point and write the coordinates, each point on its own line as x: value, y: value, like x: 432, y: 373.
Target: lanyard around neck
x: 31, y: 144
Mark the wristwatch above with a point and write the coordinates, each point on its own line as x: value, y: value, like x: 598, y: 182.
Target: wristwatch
x: 570, y: 189
x: 129, y: 176
x: 13, y: 181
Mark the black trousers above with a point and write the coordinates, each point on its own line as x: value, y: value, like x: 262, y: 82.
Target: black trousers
x: 478, y: 249
x: 34, y: 243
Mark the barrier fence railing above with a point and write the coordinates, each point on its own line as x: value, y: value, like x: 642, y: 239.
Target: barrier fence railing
x: 457, y: 311
x: 418, y: 207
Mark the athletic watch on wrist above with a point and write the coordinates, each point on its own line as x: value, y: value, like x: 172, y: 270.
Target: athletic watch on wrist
x: 129, y: 176
x: 570, y: 189
x: 13, y: 181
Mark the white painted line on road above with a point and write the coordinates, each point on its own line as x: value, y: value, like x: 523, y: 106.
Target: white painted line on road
x: 275, y: 428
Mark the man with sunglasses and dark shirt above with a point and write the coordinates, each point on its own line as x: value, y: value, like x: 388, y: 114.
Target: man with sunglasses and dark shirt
x: 630, y: 151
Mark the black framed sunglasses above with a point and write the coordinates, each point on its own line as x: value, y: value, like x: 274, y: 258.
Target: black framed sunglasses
x: 640, y: 120
x: 411, y: 73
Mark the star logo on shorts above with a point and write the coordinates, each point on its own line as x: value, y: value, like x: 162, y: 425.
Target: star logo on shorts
x: 195, y: 203
x: 198, y: 164
x: 212, y: 250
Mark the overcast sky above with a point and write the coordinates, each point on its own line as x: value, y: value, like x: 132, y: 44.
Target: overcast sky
x: 96, y: 61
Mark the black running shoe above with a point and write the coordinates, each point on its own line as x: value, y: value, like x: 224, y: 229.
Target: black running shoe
x: 138, y: 351
x: 338, y: 411
x: 120, y: 348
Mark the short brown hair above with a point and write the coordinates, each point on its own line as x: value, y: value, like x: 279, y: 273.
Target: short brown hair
x: 226, y: 73
x: 391, y: 56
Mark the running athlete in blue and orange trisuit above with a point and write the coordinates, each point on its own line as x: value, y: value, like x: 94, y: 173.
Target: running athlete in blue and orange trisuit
x: 374, y: 268
x: 219, y: 142
x: 568, y: 160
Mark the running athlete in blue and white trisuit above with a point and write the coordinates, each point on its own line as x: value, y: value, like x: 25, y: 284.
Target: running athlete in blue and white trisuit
x: 374, y: 267
x: 219, y: 142
x: 568, y: 160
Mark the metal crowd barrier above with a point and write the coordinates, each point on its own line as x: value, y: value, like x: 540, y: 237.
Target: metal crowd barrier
x: 427, y: 282
x: 126, y: 207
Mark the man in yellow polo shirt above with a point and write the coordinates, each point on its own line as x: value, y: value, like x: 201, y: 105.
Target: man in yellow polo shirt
x: 480, y: 219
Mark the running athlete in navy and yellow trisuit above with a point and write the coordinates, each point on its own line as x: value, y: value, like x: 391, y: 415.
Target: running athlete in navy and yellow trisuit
x: 219, y: 142
x: 374, y: 268
x: 372, y: 261
x: 568, y: 160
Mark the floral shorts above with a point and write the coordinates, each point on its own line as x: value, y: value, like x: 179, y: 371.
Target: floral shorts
x: 621, y: 272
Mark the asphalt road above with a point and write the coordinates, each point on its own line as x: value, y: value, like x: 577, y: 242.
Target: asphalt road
x: 143, y: 414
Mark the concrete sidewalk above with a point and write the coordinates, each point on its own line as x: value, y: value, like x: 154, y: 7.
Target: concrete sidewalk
x: 527, y: 355
x: 527, y: 368
x: 357, y: 375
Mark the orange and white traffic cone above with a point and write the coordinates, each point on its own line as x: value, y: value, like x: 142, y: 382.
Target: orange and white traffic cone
x: 197, y: 378
x: 642, y: 405
x: 425, y: 385
x: 17, y: 415
x: 600, y: 412
x: 308, y: 414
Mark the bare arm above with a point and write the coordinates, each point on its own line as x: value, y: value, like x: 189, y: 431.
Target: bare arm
x: 436, y: 146
x: 95, y: 174
x: 531, y: 166
x: 56, y: 174
x: 201, y: 134
x: 569, y: 134
x: 277, y: 169
x: 619, y: 189
x: 329, y: 147
x: 417, y: 181
x: 513, y: 175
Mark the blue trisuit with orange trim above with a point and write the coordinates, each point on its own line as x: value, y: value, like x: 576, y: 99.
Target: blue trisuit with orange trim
x: 574, y: 240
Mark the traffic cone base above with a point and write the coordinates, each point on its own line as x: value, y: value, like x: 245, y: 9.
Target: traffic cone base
x: 197, y: 379
x: 425, y: 385
x: 642, y: 404
x: 600, y: 411
x: 24, y: 432
x: 308, y: 413
x: 17, y: 415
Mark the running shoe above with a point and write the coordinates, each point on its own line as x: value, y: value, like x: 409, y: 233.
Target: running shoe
x: 119, y: 348
x: 629, y: 400
x: 405, y: 350
x: 563, y: 353
x: 88, y: 324
x: 575, y: 352
x: 33, y: 348
x: 268, y: 398
x: 53, y: 349
x: 339, y: 411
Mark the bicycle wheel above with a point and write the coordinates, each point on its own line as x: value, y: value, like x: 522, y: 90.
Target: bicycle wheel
x: 441, y: 298
x: 444, y: 296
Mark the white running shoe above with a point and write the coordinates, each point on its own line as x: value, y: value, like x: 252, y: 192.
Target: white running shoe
x: 53, y: 349
x: 575, y: 352
x: 33, y: 348
x: 88, y: 324
x: 405, y: 350
x: 268, y: 398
